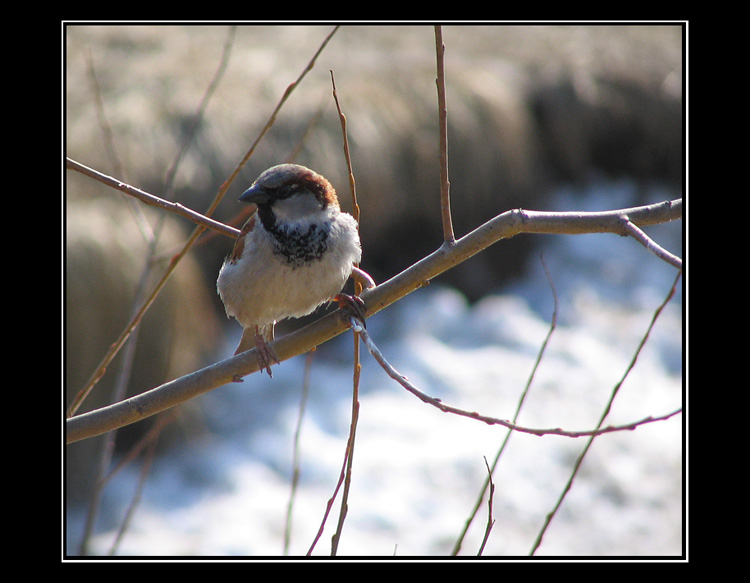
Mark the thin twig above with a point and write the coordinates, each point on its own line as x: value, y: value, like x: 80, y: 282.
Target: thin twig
x: 142, y: 476
x: 357, y: 366
x: 435, y: 402
x: 521, y: 401
x: 152, y: 237
x: 490, y: 520
x: 200, y: 111
x: 346, y: 469
x: 109, y: 143
x: 347, y: 156
x: 445, y: 198
x: 605, y: 413
x: 292, y: 86
x: 336, y: 538
x: 151, y: 435
x: 295, y: 452
x: 650, y: 244
x: 153, y: 200
x: 329, y: 505
x: 305, y: 134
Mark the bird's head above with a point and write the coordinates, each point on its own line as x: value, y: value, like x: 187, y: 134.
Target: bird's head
x: 292, y: 191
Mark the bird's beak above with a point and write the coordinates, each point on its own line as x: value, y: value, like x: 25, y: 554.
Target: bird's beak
x: 255, y: 194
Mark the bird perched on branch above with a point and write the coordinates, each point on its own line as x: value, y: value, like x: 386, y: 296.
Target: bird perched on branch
x: 294, y: 254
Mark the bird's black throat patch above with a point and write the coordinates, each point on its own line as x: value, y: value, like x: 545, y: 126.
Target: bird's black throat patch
x: 296, y: 244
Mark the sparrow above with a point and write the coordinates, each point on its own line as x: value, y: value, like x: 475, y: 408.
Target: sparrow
x: 293, y: 254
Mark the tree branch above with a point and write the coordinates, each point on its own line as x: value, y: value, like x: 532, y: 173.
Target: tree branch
x: 445, y: 185
x: 503, y: 226
x: 152, y: 200
x: 650, y: 244
x: 445, y: 408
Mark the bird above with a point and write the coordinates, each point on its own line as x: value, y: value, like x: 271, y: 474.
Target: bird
x: 294, y: 253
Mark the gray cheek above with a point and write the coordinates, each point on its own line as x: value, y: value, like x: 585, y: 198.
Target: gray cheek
x: 298, y: 207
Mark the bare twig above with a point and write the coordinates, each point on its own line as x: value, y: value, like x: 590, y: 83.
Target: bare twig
x: 198, y: 116
x: 152, y: 237
x: 329, y: 505
x: 142, y: 476
x: 292, y: 86
x: 295, y: 453
x: 607, y: 408
x: 521, y: 400
x: 347, y: 156
x: 150, y: 436
x: 650, y: 244
x: 439, y: 404
x: 357, y: 366
x: 336, y: 538
x: 152, y: 200
x: 445, y: 198
x: 305, y: 134
x: 361, y: 278
x: 111, y: 148
x: 490, y: 520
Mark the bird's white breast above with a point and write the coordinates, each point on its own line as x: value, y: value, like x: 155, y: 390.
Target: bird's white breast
x: 262, y: 287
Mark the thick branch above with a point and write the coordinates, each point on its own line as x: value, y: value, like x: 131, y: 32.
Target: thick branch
x: 507, y: 225
x: 447, y: 256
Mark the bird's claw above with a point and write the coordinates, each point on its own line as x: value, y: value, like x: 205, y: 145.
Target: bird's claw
x: 353, y: 306
x: 265, y: 354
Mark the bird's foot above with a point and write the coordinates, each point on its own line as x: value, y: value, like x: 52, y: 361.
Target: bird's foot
x: 265, y: 354
x: 353, y: 306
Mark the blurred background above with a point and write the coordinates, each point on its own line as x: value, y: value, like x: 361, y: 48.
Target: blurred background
x: 540, y: 117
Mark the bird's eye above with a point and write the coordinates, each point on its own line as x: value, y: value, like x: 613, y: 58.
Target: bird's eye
x: 287, y: 190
